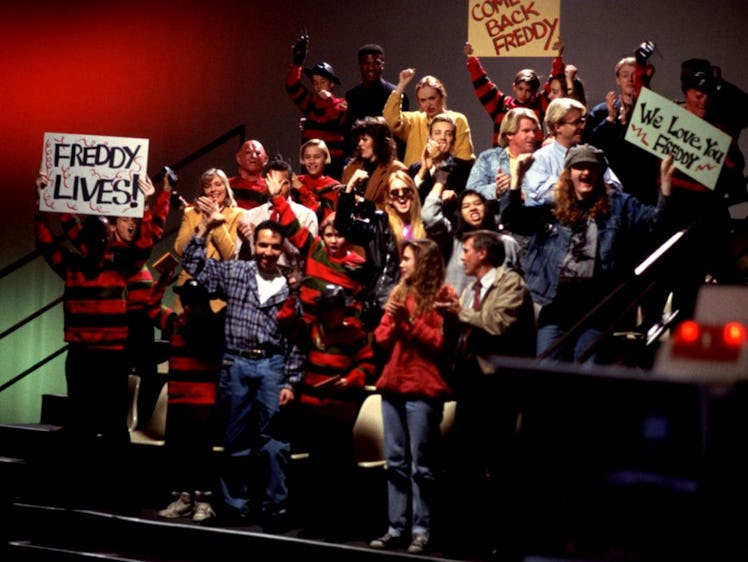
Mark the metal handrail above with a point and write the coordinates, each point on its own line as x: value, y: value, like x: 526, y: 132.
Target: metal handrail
x: 239, y: 130
x: 641, y: 283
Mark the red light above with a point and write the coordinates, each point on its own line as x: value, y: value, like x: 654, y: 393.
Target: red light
x: 688, y: 332
x: 734, y: 334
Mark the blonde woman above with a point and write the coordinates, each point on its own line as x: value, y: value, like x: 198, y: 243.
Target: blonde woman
x: 214, y: 195
x: 412, y: 127
x: 380, y: 235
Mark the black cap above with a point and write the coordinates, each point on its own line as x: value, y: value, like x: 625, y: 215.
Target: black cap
x: 698, y: 74
x: 332, y: 296
x: 527, y: 75
x: 585, y: 154
x: 192, y: 292
x: 323, y: 69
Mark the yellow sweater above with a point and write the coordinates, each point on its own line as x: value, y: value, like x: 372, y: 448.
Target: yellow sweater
x: 413, y: 128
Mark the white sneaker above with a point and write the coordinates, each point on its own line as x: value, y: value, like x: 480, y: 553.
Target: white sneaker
x: 203, y: 509
x: 181, y: 507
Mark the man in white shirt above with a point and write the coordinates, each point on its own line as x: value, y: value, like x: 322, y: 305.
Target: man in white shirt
x: 565, y: 119
x: 282, y: 173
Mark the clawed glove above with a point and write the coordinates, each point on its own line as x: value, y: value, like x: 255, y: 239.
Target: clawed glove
x: 299, y: 49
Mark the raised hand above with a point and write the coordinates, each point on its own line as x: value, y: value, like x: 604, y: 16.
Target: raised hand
x: 667, y: 168
x: 406, y: 75
x: 273, y: 186
x: 299, y: 49
x: 42, y: 180
x: 145, y: 184
x: 517, y: 169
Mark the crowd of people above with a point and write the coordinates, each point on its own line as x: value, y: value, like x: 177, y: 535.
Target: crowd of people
x: 397, y: 261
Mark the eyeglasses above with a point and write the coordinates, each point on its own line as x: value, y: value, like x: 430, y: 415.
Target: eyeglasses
x: 404, y: 193
x: 578, y: 121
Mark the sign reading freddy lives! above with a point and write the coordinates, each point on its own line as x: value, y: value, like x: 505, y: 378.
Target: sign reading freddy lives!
x: 93, y: 175
x: 663, y: 127
x: 514, y: 28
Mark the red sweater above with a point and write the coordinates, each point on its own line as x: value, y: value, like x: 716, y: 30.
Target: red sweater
x: 344, y: 351
x: 248, y: 194
x: 94, y: 299
x: 320, y: 268
x: 325, y: 118
x: 193, y: 370
x: 415, y: 353
x: 317, y: 194
x: 494, y: 101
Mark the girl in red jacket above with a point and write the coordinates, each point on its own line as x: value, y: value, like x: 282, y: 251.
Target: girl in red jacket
x: 413, y: 393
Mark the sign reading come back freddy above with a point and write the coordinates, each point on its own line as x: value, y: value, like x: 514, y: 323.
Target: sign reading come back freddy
x: 514, y: 28
x: 94, y: 175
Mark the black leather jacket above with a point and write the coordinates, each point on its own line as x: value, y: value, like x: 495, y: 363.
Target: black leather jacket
x: 364, y: 225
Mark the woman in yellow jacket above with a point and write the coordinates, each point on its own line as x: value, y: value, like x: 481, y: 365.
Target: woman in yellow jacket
x: 213, y: 195
x: 413, y: 126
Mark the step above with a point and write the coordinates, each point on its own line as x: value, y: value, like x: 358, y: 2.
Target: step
x: 54, y: 409
x: 28, y: 440
x: 70, y: 532
x: 13, y: 477
x: 24, y: 551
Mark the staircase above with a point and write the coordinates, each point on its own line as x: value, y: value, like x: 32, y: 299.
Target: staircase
x: 41, y: 526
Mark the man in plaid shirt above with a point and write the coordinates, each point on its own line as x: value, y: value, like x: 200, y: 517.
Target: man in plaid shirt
x: 261, y: 368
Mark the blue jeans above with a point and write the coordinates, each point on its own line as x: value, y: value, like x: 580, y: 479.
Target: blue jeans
x: 248, y: 399
x: 571, y: 350
x: 411, y: 446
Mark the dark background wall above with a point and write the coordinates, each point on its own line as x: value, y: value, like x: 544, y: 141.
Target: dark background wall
x: 181, y: 74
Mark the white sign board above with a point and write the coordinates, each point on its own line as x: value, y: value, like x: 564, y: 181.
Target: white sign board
x: 514, y: 28
x: 663, y: 127
x: 93, y: 175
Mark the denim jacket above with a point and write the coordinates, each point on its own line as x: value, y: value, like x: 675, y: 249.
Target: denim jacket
x: 621, y: 232
x: 482, y: 176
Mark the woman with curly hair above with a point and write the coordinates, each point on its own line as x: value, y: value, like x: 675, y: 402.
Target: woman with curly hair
x: 374, y: 159
x: 413, y: 393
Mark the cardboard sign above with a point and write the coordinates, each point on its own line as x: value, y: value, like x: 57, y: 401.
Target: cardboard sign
x: 663, y: 127
x: 93, y: 175
x: 514, y: 28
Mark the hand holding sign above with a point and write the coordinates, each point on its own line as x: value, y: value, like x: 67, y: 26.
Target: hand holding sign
x: 42, y: 181
x: 93, y: 174
x: 520, y: 28
x: 146, y: 186
x: 663, y: 128
x: 666, y: 175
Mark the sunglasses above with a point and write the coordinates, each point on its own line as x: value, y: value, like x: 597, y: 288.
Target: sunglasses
x: 404, y: 193
x: 575, y: 122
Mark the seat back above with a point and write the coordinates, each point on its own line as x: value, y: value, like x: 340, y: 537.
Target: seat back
x: 368, y: 431
x: 154, y: 433
x: 133, y: 385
